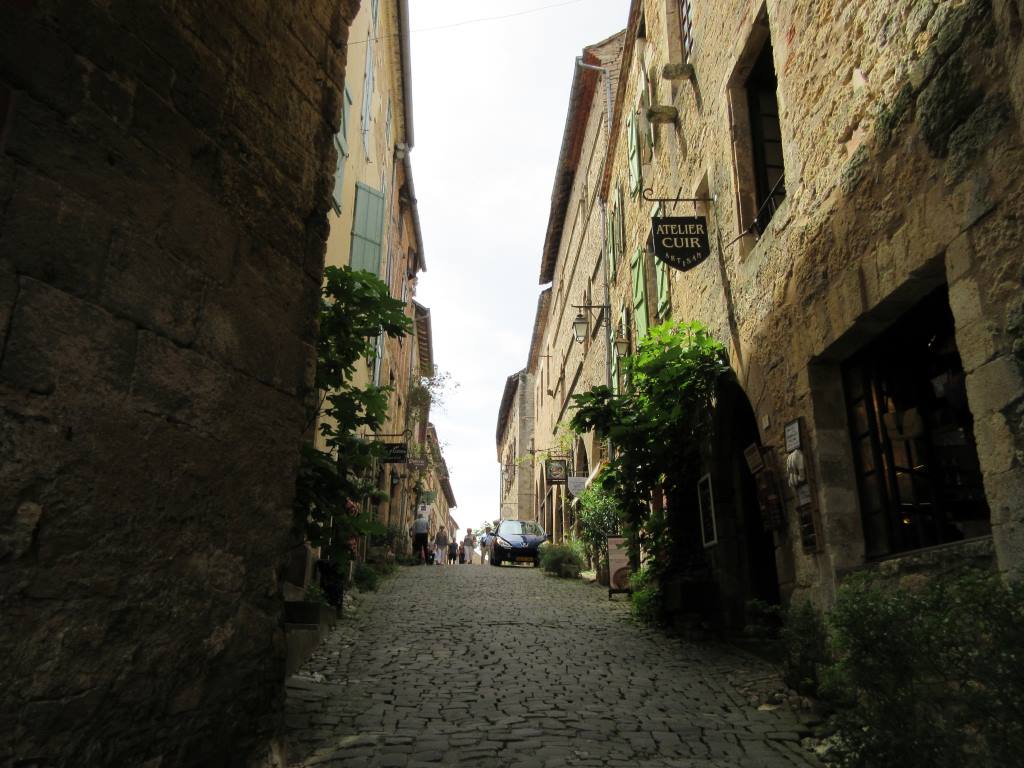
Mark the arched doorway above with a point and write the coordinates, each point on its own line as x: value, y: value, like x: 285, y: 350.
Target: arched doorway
x: 743, y: 556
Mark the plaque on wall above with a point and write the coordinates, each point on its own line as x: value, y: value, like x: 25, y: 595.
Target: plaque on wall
x: 706, y: 502
x: 556, y: 471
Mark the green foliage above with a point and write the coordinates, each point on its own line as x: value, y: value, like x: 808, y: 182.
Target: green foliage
x: 658, y: 426
x: 426, y: 392
x: 355, y: 308
x: 805, y: 646
x: 388, y: 537
x: 597, y: 519
x: 645, y: 596
x: 930, y: 676
x: 563, y: 560
x: 764, y: 619
x: 365, y: 578
x: 316, y: 594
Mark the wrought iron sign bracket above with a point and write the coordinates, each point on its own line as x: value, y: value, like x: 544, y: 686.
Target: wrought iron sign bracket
x: 648, y: 195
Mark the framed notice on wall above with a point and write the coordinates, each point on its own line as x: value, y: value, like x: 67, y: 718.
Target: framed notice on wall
x: 706, y: 502
x: 618, y: 565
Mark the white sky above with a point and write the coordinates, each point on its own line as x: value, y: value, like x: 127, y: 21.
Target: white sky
x: 489, y: 106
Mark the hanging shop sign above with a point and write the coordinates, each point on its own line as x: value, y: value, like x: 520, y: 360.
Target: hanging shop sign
x: 680, y: 241
x: 576, y: 484
x: 556, y: 471
x: 394, y: 453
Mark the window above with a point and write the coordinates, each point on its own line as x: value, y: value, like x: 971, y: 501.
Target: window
x: 915, y: 458
x: 367, y: 229
x: 757, y: 140
x: 341, y: 146
x: 766, y: 136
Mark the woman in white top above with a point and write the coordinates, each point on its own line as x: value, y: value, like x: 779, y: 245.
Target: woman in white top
x: 469, y: 542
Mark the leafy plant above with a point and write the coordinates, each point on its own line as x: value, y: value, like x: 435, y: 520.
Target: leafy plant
x: 659, y: 427
x: 428, y: 392
x: 333, y: 482
x: 929, y: 676
x: 644, y: 596
x: 563, y: 560
x: 597, y: 519
x: 805, y: 646
x: 365, y: 578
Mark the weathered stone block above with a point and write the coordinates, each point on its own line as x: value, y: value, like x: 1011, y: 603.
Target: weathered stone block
x: 56, y: 236
x: 61, y: 345
x: 152, y: 287
x: 994, y: 385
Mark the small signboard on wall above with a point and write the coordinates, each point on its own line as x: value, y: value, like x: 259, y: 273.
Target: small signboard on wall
x: 618, y: 565
x: 706, y: 502
x: 576, y: 484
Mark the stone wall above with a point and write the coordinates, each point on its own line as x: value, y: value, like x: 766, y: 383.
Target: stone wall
x: 165, y: 172
x: 901, y: 134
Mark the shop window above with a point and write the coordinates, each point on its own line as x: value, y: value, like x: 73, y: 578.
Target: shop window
x: 915, y: 458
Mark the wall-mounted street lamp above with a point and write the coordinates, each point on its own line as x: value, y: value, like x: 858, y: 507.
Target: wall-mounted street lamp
x: 581, y: 325
x: 621, y: 346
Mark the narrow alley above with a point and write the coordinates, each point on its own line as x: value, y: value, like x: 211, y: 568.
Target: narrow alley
x: 509, y: 667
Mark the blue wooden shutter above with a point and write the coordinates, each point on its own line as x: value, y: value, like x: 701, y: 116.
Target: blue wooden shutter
x: 639, y: 276
x: 367, y: 229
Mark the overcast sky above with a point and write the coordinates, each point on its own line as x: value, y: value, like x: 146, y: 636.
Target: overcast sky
x: 489, y: 106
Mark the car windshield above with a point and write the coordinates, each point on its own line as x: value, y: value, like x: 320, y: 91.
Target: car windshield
x: 520, y: 528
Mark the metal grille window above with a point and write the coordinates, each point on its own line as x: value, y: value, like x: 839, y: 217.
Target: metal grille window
x: 686, y: 27
x: 913, y: 439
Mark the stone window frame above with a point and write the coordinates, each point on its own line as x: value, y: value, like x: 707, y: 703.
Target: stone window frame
x: 745, y: 185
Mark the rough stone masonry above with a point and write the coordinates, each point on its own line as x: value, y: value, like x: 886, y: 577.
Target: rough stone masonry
x: 165, y: 171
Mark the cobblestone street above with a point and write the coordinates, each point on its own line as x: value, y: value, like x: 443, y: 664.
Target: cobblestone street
x: 474, y: 665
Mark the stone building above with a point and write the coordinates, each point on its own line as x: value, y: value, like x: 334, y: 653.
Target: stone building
x: 165, y: 179
x: 374, y: 226
x: 514, y: 438
x: 858, y: 166
x: 572, y: 263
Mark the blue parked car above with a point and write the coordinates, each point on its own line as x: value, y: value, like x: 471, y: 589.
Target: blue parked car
x: 516, y: 541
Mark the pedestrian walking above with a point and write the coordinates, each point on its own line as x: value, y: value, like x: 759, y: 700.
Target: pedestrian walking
x: 420, y: 531
x: 469, y: 542
x: 453, y: 552
x: 462, y: 554
x: 485, y: 544
x: 440, y: 545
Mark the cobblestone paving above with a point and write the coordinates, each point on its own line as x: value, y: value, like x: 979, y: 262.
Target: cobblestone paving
x: 475, y: 665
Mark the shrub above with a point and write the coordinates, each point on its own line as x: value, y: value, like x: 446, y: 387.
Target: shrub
x: 805, y: 647
x: 645, y: 597
x: 563, y: 560
x: 928, y: 677
x: 365, y: 578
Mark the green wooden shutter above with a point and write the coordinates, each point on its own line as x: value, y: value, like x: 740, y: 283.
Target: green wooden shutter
x: 620, y: 221
x: 634, y: 154
x: 639, y: 292
x: 615, y: 371
x: 367, y: 229
x: 341, y: 146
x: 609, y: 242
x: 661, y: 274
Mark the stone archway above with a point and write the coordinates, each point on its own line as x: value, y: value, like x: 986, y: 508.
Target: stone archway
x: 743, y: 557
